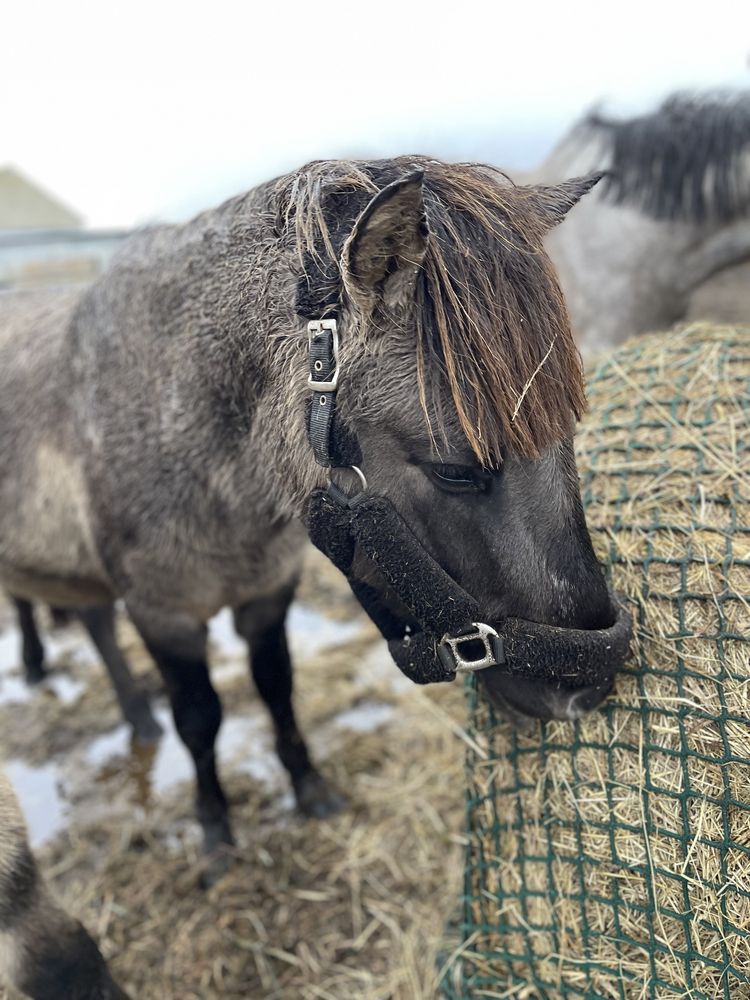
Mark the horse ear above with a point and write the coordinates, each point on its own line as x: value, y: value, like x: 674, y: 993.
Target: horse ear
x: 556, y: 200
x: 386, y: 247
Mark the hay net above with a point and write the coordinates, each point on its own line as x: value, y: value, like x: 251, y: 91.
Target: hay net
x: 611, y: 857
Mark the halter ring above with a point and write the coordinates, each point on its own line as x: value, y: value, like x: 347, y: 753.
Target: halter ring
x: 360, y: 475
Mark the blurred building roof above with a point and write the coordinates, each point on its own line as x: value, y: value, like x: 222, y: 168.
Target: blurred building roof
x: 32, y: 258
x: 24, y: 205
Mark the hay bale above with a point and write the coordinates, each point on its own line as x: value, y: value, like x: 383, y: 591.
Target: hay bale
x: 611, y: 857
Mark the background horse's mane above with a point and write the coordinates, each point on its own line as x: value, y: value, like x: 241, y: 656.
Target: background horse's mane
x: 689, y: 160
x: 490, y: 319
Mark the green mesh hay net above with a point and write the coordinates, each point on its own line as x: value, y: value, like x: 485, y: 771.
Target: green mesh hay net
x: 611, y: 857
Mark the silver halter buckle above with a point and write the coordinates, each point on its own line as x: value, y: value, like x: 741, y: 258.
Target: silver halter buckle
x: 450, y: 653
x: 314, y: 327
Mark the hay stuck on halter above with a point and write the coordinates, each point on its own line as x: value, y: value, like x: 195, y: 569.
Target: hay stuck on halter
x: 610, y: 858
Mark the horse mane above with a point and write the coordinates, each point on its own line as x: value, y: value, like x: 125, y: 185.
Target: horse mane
x: 688, y: 161
x: 491, y: 322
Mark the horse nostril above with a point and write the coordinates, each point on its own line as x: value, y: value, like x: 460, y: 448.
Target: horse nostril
x: 583, y: 701
x: 518, y: 697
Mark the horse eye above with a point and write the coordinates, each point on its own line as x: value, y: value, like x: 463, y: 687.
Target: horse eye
x: 459, y: 478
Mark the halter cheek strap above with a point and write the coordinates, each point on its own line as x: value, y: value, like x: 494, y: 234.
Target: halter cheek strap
x: 447, y: 635
x: 332, y: 444
x: 323, y: 380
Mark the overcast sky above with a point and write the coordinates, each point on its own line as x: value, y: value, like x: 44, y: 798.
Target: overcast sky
x: 130, y: 112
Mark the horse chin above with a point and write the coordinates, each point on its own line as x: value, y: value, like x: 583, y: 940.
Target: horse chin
x: 522, y: 700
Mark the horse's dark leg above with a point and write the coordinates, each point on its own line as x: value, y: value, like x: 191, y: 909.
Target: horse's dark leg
x: 32, y: 650
x: 261, y: 623
x: 179, y: 649
x: 100, y: 624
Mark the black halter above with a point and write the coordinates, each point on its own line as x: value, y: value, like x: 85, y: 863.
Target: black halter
x: 447, y: 635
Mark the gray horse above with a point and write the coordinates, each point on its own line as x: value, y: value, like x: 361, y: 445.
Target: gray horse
x: 153, y: 428
x: 673, y: 212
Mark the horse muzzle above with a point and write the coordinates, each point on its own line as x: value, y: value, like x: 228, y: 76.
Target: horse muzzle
x: 573, y: 657
x: 522, y: 700
x: 517, y: 659
x: 449, y: 637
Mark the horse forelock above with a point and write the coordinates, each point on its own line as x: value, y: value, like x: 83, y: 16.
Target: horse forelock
x: 687, y: 161
x: 490, y: 319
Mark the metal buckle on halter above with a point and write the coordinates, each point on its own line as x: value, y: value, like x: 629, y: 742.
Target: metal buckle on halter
x: 453, y: 658
x: 314, y: 327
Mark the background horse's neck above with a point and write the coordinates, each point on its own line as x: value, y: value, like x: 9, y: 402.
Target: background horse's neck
x: 580, y: 151
x: 676, y: 212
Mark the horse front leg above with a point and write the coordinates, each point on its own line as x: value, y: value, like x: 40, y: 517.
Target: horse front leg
x: 100, y: 624
x: 178, y: 646
x: 262, y: 624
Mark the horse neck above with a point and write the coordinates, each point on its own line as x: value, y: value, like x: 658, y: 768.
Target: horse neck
x: 196, y: 331
x: 262, y: 358
x: 696, y: 251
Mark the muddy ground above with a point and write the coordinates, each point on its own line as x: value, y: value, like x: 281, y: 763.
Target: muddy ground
x: 353, y: 907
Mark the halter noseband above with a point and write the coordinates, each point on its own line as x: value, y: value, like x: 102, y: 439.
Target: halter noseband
x: 449, y: 636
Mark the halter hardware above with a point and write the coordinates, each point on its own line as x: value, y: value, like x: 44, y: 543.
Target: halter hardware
x: 455, y: 650
x: 360, y: 480
x: 314, y: 328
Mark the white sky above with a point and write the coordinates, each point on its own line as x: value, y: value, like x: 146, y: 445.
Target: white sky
x: 141, y: 110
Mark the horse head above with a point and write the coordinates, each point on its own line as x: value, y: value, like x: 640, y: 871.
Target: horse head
x: 457, y: 384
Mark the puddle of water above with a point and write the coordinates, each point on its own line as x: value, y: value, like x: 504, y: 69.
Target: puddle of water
x: 308, y: 630
x: 245, y: 744
x: 223, y: 637
x: 365, y: 717
x: 377, y: 665
x: 71, y: 644
x: 38, y: 791
x: 66, y: 689
x: 70, y: 647
x: 113, y: 744
x: 12, y: 687
x: 14, y: 690
x: 10, y: 649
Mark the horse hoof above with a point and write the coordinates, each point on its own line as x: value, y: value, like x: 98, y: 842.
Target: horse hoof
x: 217, y: 856
x: 146, y: 729
x: 35, y: 675
x: 317, y: 798
x: 215, y: 867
